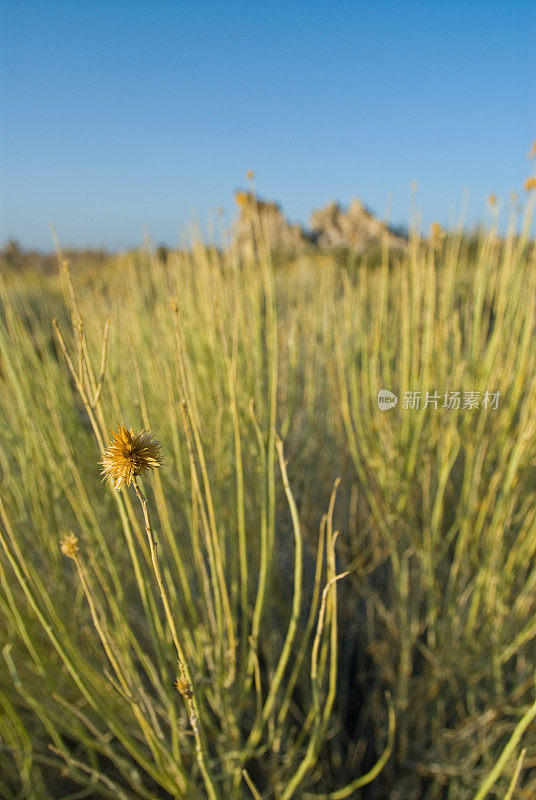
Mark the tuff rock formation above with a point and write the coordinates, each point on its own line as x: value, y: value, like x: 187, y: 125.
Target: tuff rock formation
x: 355, y: 228
x: 331, y: 227
x: 278, y: 233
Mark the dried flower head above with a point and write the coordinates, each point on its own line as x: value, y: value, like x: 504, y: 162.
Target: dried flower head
x: 128, y: 455
x: 437, y: 235
x: 69, y: 546
x: 530, y: 183
x: 436, y: 231
x: 183, y: 687
x: 241, y: 198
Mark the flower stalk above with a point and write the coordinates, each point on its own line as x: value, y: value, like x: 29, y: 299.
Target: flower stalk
x: 184, y: 684
x: 127, y: 456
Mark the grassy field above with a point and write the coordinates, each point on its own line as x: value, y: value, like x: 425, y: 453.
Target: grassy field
x: 351, y: 593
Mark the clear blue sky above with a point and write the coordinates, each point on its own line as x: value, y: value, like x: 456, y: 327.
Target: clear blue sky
x: 125, y: 118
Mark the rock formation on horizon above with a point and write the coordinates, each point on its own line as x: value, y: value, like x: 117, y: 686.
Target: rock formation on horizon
x: 331, y: 227
x: 355, y: 228
x: 278, y: 233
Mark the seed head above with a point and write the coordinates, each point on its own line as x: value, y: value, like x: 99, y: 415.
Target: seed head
x: 69, y: 546
x: 436, y: 231
x: 128, y: 455
x: 241, y: 198
x: 183, y: 687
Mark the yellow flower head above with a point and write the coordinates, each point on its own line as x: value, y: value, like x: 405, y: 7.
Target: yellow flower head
x: 436, y: 231
x: 530, y: 183
x: 492, y: 199
x: 128, y: 455
x: 241, y: 198
x: 250, y: 174
x: 183, y: 687
x: 69, y: 546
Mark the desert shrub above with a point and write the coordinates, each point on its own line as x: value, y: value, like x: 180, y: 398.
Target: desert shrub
x: 293, y: 680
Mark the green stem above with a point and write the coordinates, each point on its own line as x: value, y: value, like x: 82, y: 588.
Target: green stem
x: 187, y: 687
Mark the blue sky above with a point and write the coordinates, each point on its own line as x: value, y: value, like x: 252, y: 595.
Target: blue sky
x: 121, y: 119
